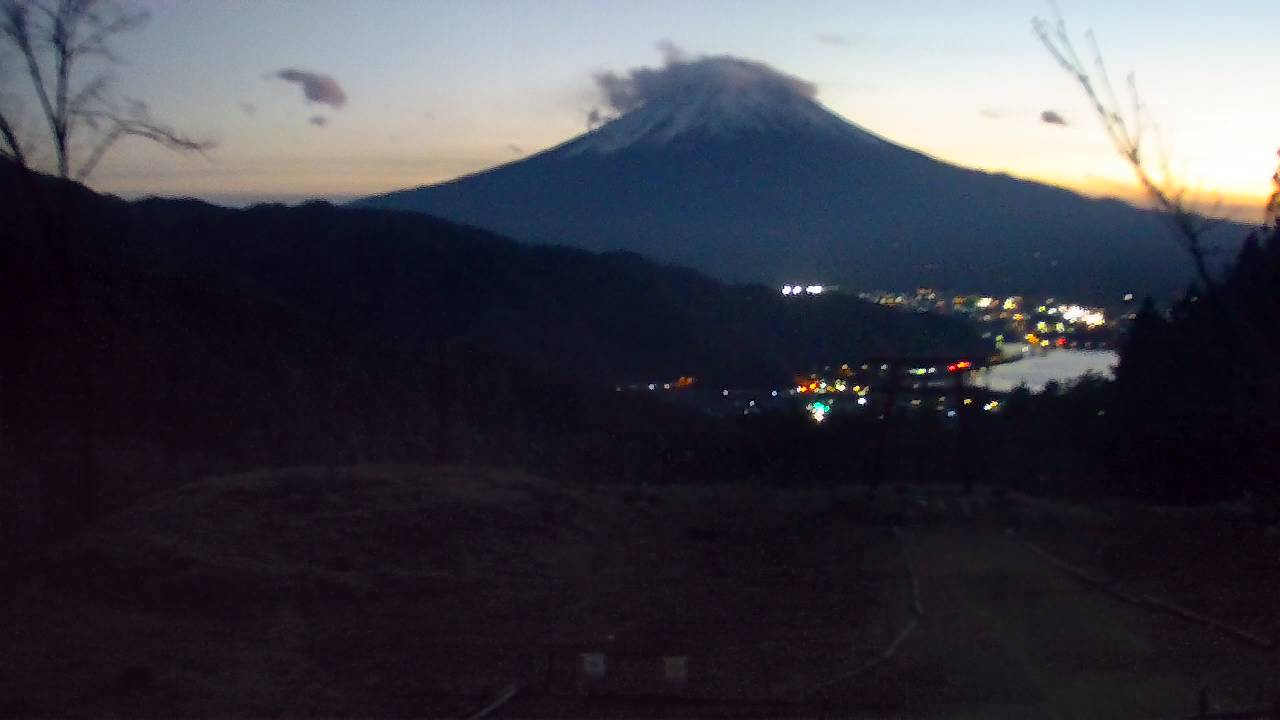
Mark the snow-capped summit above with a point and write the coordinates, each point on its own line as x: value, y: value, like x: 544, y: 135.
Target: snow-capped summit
x: 721, y: 98
x: 734, y: 168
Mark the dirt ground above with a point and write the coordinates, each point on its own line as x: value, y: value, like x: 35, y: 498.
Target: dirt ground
x: 412, y: 592
x: 402, y: 592
x: 1005, y: 636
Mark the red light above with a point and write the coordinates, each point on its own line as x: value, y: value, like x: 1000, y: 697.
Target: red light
x: 1062, y: 341
x: 952, y: 368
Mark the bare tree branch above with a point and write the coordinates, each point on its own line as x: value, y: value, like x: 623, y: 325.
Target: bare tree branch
x: 136, y: 127
x: 16, y: 26
x: 95, y: 43
x: 53, y: 36
x: 13, y: 149
x: 1127, y: 136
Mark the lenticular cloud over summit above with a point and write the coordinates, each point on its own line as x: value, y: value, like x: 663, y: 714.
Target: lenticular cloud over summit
x: 680, y: 75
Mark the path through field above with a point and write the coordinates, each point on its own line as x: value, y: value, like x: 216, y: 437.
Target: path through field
x: 1005, y: 636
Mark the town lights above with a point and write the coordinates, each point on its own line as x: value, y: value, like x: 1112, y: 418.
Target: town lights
x: 818, y: 410
x: 803, y: 289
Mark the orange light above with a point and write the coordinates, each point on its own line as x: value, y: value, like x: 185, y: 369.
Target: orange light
x: 963, y: 364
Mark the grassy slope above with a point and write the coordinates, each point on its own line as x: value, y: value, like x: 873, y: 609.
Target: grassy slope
x: 397, y: 591
x: 402, y: 591
x: 1006, y: 636
x: 1217, y: 561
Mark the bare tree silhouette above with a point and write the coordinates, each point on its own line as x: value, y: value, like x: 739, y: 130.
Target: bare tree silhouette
x: 46, y: 46
x: 83, y: 118
x: 1129, y: 130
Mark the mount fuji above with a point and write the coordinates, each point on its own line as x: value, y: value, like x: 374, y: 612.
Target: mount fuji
x: 733, y: 168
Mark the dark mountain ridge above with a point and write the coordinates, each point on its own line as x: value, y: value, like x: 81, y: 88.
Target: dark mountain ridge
x: 769, y: 187
x: 219, y: 340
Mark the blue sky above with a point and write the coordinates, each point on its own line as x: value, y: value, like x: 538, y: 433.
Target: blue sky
x: 441, y: 88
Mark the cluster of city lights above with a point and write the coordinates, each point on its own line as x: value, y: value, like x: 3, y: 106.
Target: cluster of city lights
x: 682, y: 383
x: 818, y: 410
x: 803, y: 289
x: 822, y: 387
x: 1090, y: 317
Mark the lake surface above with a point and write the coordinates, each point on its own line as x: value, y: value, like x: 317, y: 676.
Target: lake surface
x: 1037, y: 368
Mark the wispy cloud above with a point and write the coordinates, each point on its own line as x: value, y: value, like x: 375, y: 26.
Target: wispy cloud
x: 837, y: 39
x: 316, y: 87
x: 318, y: 120
x: 515, y: 149
x: 1052, y: 117
x: 990, y: 113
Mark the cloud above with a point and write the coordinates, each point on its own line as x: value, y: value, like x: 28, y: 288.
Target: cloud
x: 671, y: 53
x: 318, y: 120
x: 594, y: 118
x: 317, y: 87
x: 1051, y: 117
x: 428, y: 115
x: 680, y: 73
x: 515, y: 149
x: 990, y: 113
x: 248, y: 108
x: 837, y: 39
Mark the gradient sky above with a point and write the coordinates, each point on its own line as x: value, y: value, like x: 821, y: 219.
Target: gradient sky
x: 441, y: 88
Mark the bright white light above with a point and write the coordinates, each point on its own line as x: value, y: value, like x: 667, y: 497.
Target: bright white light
x: 862, y: 401
x: 951, y: 413
x: 774, y: 393
x: 984, y: 302
x: 818, y: 411
x: 814, y: 289
x: 653, y: 386
x: 724, y: 393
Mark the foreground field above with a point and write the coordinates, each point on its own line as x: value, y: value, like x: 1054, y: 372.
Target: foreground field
x: 1005, y: 636
x: 411, y: 592
x: 407, y: 592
